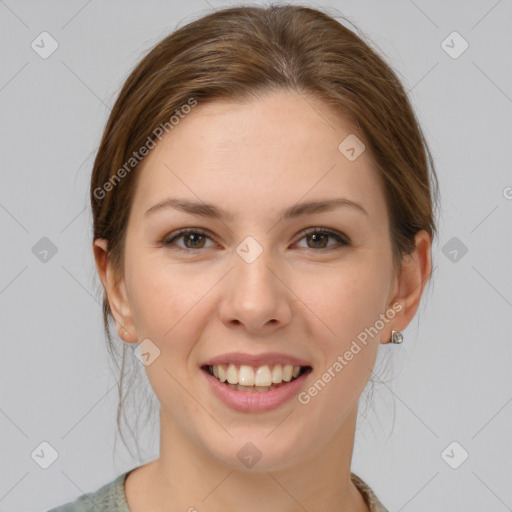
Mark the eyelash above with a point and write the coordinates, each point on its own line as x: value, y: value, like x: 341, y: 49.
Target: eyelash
x: 168, y: 242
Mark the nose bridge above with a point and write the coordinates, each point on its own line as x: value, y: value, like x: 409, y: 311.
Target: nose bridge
x: 256, y: 296
x: 252, y: 274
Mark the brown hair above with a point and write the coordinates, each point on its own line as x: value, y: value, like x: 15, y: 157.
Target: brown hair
x: 240, y: 52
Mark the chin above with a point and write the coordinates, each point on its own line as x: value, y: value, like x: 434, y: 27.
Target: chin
x: 255, y: 451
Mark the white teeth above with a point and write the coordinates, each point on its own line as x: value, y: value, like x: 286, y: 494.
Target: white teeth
x: 232, y: 374
x: 261, y: 378
x: 287, y: 372
x: 277, y: 374
x: 246, y: 376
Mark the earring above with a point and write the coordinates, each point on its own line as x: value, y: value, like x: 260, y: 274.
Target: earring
x: 396, y: 337
x: 125, y: 331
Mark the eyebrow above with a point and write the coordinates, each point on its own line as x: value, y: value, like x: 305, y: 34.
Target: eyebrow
x: 216, y: 212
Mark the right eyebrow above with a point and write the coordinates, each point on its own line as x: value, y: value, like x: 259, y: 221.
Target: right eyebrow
x: 192, y: 207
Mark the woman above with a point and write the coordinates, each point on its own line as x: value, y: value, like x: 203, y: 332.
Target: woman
x: 263, y: 203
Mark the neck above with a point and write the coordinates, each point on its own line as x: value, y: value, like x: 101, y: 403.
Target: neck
x: 186, y: 478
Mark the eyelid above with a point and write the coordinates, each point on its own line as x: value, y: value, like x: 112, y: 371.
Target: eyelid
x: 175, y: 235
x: 333, y: 233
x: 342, y: 239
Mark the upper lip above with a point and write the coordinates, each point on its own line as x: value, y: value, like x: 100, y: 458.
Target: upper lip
x: 255, y: 360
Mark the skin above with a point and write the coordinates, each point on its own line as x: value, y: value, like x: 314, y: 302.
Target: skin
x: 301, y: 297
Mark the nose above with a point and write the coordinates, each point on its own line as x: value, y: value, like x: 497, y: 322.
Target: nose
x: 256, y: 296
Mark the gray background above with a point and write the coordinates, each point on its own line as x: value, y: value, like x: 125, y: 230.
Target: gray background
x: 450, y: 380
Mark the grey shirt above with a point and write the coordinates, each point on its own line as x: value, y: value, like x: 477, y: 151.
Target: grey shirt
x: 112, y: 498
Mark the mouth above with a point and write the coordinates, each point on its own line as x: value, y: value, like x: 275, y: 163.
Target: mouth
x: 259, y: 379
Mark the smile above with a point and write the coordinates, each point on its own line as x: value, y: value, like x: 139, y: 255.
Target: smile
x: 255, y: 379
x: 255, y: 389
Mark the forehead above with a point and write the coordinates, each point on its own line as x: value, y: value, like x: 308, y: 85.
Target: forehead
x: 264, y: 153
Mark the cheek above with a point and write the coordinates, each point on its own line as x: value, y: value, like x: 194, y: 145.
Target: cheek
x: 346, y: 300
x: 348, y: 303
x: 171, y: 307
x: 166, y: 308
x: 161, y: 294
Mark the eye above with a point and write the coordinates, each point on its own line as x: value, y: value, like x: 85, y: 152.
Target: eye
x: 193, y: 239
x: 196, y: 238
x: 319, y: 237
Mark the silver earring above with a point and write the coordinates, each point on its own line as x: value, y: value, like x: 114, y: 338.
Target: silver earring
x: 125, y: 331
x: 396, y: 337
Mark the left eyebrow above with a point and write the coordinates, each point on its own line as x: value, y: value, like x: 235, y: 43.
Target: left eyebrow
x: 297, y: 210
x: 321, y: 206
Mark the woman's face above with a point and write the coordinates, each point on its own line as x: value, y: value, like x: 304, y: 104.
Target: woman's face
x: 253, y: 281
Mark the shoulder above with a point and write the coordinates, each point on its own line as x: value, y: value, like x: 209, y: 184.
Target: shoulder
x: 110, y: 497
x: 374, y: 504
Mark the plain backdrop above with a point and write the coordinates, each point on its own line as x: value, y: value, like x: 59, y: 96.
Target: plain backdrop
x: 449, y: 392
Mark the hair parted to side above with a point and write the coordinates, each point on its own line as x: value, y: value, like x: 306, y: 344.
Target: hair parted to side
x: 239, y: 53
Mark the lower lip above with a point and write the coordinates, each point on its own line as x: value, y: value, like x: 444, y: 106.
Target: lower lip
x: 257, y: 401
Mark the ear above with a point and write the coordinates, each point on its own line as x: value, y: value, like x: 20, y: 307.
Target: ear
x: 410, y: 282
x: 116, y: 291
